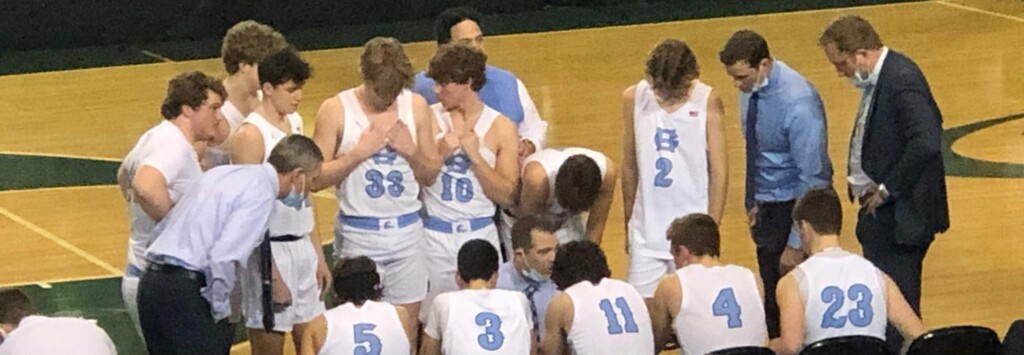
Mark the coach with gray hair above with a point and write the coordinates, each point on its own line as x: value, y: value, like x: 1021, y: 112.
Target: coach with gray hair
x: 184, y: 293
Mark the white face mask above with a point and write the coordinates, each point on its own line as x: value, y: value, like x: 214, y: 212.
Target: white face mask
x: 533, y: 274
x: 860, y: 80
x: 762, y: 82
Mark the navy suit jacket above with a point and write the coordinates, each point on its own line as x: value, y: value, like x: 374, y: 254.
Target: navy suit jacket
x: 903, y: 150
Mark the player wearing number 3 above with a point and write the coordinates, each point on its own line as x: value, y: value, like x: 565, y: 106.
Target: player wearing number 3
x: 710, y: 306
x: 594, y: 314
x: 835, y: 293
x: 674, y: 162
x: 480, y: 169
x: 380, y: 145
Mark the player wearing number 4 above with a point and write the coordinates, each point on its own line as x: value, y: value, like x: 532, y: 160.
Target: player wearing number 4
x: 710, y: 306
x: 480, y: 166
x: 479, y: 319
x: 835, y: 293
x: 380, y: 144
x: 594, y: 314
x: 361, y: 324
x: 674, y: 162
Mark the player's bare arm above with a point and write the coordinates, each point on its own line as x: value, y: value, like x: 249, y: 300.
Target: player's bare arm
x: 151, y: 192
x: 534, y: 198
x: 630, y: 174
x: 791, y: 317
x: 668, y: 293
x: 498, y: 183
x: 718, y: 163
x: 557, y: 324
x: 327, y: 133
x: 599, y: 212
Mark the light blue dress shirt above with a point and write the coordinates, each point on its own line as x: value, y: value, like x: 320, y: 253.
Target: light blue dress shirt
x: 510, y: 279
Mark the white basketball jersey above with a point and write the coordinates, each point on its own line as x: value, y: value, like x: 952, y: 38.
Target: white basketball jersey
x: 166, y: 149
x: 551, y: 160
x: 284, y: 220
x: 383, y: 185
x: 609, y: 318
x: 38, y: 335
x: 721, y: 308
x: 373, y: 328
x: 671, y: 155
x: 221, y: 155
x: 844, y: 295
x: 487, y: 322
x: 457, y: 194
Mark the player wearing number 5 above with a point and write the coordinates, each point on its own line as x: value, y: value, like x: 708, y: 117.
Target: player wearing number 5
x: 674, y: 160
x: 361, y: 324
x: 480, y: 168
x: 479, y: 319
x: 594, y: 314
x: 835, y: 293
x: 380, y: 145
x: 710, y: 306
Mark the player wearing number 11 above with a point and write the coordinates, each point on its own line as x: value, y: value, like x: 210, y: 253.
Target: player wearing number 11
x: 710, y: 306
x: 594, y: 314
x: 835, y: 293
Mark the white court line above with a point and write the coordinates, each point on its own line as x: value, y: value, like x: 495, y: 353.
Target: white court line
x: 981, y: 11
x: 54, y: 281
x: 61, y: 242
x: 59, y: 156
x: 59, y: 188
x: 156, y: 56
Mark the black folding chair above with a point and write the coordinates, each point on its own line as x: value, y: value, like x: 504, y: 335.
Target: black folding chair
x: 848, y: 345
x: 745, y: 350
x: 1013, y: 342
x: 958, y: 340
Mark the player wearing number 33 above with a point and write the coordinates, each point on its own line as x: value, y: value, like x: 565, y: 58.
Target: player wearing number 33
x: 710, y: 306
x: 594, y: 314
x: 834, y: 292
x: 380, y: 149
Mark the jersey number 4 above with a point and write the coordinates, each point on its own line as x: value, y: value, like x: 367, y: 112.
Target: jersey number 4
x: 725, y: 305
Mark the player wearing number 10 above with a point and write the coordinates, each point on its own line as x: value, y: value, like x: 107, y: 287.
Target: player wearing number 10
x: 479, y: 319
x: 710, y: 306
x: 380, y: 149
x: 674, y: 161
x: 480, y: 168
x: 835, y: 293
x: 594, y: 314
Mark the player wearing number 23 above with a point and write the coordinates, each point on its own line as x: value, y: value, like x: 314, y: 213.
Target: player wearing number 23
x: 709, y: 305
x: 834, y: 292
x: 594, y: 314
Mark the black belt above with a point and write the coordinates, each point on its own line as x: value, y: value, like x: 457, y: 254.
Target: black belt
x: 174, y: 269
x: 285, y: 238
x: 267, y: 294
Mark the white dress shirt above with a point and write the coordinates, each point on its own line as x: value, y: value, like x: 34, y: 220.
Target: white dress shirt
x: 857, y: 178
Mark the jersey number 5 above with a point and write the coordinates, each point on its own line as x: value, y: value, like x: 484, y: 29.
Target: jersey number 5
x: 366, y: 342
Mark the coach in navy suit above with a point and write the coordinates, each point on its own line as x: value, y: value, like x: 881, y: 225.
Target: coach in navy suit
x: 895, y: 169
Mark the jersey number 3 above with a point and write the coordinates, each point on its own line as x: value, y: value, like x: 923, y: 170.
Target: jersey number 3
x: 491, y: 339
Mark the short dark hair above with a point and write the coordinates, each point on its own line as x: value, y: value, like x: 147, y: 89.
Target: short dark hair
x: 522, y: 230
x: 579, y: 260
x: 451, y: 17
x: 851, y: 33
x: 697, y: 232
x: 295, y: 151
x: 284, y: 66
x: 821, y: 209
x: 356, y: 280
x: 14, y: 306
x: 459, y: 64
x: 744, y: 45
x: 477, y: 260
x: 670, y: 68
x: 190, y: 89
x: 578, y: 183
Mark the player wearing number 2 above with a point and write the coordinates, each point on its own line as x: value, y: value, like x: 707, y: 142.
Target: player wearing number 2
x: 674, y: 160
x: 594, y: 314
x: 381, y: 137
x: 835, y: 293
x: 710, y: 306
x: 480, y: 168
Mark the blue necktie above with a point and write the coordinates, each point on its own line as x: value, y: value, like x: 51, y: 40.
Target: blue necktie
x: 752, y: 152
x: 530, y: 290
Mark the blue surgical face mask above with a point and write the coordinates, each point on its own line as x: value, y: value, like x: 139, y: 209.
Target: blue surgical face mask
x: 532, y: 274
x: 296, y: 197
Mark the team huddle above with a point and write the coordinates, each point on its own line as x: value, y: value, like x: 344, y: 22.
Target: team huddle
x: 458, y: 231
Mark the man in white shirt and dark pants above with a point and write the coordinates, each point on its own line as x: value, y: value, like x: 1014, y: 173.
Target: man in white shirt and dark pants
x: 184, y: 293
x: 22, y: 332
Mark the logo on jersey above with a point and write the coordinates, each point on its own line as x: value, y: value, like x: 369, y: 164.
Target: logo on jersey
x: 385, y: 156
x: 666, y: 140
x: 458, y: 163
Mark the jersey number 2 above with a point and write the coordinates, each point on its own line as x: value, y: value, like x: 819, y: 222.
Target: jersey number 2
x: 664, y: 167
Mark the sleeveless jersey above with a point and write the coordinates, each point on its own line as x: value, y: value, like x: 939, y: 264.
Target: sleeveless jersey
x: 373, y: 328
x: 671, y: 155
x: 383, y: 185
x: 844, y: 295
x: 284, y: 220
x: 486, y: 321
x: 609, y: 318
x: 721, y: 308
x: 551, y: 160
x: 457, y: 194
x: 221, y: 155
